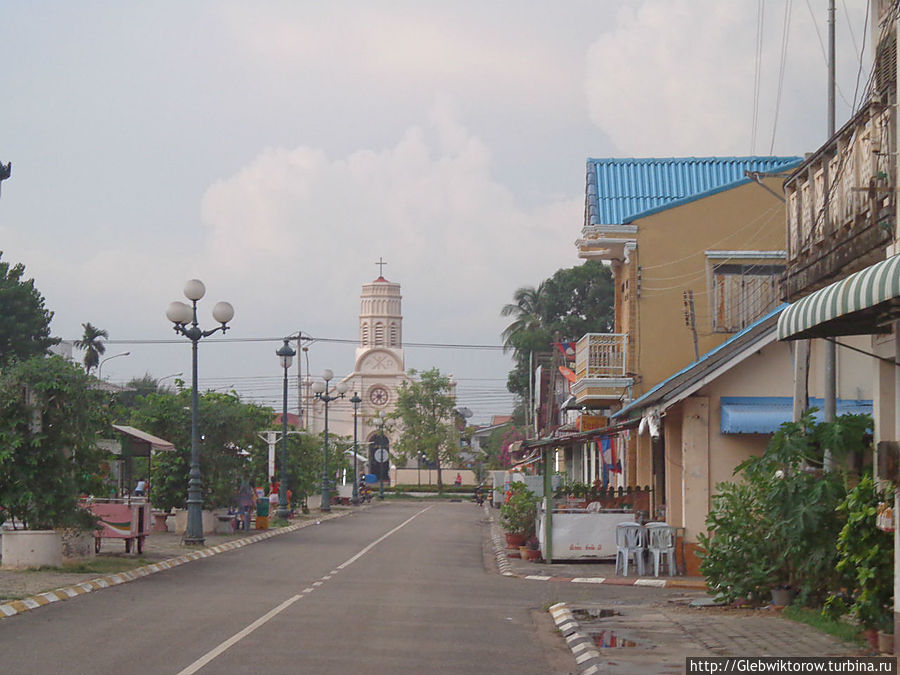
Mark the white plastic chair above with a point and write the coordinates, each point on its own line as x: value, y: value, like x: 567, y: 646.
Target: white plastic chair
x: 631, y: 541
x: 661, y: 543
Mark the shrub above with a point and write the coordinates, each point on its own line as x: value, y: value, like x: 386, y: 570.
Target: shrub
x: 777, y: 528
x: 866, y: 560
x: 517, y: 515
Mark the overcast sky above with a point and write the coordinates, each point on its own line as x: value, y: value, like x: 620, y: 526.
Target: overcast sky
x: 276, y: 150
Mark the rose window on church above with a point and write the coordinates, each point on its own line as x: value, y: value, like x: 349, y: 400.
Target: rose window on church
x: 378, y: 396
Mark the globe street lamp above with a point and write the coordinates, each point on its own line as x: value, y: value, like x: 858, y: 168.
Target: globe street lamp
x: 286, y: 354
x: 181, y: 314
x: 321, y: 391
x: 355, y: 400
x: 100, y: 366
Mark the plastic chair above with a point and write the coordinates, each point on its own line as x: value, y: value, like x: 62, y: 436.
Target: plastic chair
x: 631, y: 541
x: 661, y: 542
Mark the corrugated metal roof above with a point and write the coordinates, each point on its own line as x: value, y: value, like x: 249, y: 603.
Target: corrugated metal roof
x: 620, y: 190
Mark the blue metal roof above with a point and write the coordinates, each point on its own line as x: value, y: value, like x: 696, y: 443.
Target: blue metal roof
x: 620, y: 190
x: 764, y: 414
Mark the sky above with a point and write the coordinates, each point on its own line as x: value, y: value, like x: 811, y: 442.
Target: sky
x: 277, y: 149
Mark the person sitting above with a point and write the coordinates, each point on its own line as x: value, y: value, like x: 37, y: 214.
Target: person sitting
x: 141, y: 489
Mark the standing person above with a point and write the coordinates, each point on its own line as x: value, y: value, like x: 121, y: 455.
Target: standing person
x: 246, y: 502
x: 458, y: 481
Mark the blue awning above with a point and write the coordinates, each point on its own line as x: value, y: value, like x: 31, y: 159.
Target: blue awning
x: 764, y: 414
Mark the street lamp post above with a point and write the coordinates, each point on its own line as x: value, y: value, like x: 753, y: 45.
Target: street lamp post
x: 286, y: 354
x: 355, y: 400
x: 181, y: 315
x: 321, y: 391
x: 100, y: 366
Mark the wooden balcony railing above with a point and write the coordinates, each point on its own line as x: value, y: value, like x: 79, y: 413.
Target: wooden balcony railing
x: 840, y: 203
x: 600, y: 355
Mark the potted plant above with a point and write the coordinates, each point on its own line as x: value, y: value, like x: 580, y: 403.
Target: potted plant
x: 50, y: 419
x: 517, y: 515
x: 866, y: 562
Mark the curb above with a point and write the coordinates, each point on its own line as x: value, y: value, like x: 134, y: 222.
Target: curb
x: 15, y: 607
x: 583, y: 648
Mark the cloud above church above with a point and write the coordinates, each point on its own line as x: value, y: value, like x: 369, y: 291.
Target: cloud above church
x: 430, y: 204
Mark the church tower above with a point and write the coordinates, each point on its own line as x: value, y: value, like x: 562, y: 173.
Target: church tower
x: 377, y: 374
x: 380, y: 348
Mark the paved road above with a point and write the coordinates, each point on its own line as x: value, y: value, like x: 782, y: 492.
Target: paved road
x: 397, y: 588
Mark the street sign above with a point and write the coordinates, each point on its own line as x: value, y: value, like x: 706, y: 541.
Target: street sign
x: 381, y: 455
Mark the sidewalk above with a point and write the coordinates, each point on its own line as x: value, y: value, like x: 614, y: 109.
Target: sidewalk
x: 24, y: 590
x: 586, y: 572
x: 657, y: 636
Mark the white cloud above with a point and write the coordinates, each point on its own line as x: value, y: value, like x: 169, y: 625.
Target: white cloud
x: 675, y: 77
x: 429, y: 204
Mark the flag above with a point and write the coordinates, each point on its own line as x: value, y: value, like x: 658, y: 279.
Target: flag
x: 610, y: 459
x: 567, y: 349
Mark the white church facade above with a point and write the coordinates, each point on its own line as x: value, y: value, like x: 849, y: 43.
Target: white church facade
x: 378, y: 371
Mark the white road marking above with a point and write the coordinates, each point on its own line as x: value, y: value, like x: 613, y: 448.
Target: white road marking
x: 265, y: 618
x: 237, y: 637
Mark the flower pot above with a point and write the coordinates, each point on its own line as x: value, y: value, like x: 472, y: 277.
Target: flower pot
x: 885, y: 642
x: 529, y: 554
x: 871, y: 635
x: 31, y: 548
x: 515, y: 540
x: 782, y: 597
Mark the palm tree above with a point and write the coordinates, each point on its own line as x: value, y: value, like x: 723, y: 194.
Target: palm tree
x: 92, y: 344
x: 527, y: 312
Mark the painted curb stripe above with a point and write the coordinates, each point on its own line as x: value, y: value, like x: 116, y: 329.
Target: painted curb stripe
x: 42, y: 599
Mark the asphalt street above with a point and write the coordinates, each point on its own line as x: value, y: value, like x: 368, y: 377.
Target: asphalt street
x: 399, y: 588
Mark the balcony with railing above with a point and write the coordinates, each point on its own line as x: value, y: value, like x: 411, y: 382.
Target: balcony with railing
x: 840, y: 203
x: 600, y: 368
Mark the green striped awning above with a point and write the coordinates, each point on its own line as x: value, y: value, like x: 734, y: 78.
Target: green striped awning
x: 860, y: 304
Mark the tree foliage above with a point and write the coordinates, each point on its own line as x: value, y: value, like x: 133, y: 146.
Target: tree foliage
x: 50, y: 420
x: 574, y: 301
x: 25, y: 328
x: 778, y: 526
x: 226, y: 425
x: 425, y: 416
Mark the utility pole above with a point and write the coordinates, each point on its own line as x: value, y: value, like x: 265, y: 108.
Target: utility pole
x: 690, y: 320
x: 830, y: 393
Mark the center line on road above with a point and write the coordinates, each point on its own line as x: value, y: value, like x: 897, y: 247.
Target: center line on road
x: 265, y: 618
x: 381, y: 539
x: 237, y: 637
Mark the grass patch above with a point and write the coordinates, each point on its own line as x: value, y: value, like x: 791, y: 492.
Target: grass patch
x: 837, y: 628
x: 98, y: 565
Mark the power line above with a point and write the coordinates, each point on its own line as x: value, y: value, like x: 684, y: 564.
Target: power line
x: 227, y: 340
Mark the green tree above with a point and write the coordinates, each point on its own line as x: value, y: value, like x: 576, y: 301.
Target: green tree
x: 574, y: 301
x: 25, y: 328
x: 50, y: 420
x: 425, y: 416
x: 228, y: 429
x: 92, y: 343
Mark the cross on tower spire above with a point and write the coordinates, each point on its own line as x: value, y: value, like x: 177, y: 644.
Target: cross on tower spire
x: 381, y: 265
